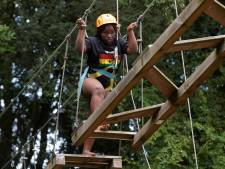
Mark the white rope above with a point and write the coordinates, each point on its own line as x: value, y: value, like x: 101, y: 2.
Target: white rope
x: 145, y: 11
x: 24, y: 158
x: 188, y: 100
x: 81, y: 69
x: 139, y: 21
x: 117, y: 38
x: 117, y: 18
x: 87, y: 11
x: 136, y: 120
x: 59, y: 109
x: 35, y: 167
x: 140, y: 50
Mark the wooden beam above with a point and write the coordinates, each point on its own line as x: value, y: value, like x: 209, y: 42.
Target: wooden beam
x: 115, y: 135
x: 160, y: 81
x: 149, y: 58
x: 217, y: 12
x: 190, y: 44
x: 198, y: 43
x: 78, y: 160
x: 203, y: 72
x: 132, y: 114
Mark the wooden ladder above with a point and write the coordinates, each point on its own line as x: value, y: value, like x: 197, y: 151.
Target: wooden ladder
x: 144, y: 67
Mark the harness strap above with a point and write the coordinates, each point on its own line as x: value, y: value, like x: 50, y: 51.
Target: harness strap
x: 83, y: 76
x: 81, y: 81
x: 104, y: 72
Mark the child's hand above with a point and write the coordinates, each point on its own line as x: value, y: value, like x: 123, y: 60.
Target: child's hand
x: 132, y: 26
x: 81, y: 24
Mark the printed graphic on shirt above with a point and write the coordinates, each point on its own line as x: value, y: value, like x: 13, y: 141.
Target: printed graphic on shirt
x: 107, y: 59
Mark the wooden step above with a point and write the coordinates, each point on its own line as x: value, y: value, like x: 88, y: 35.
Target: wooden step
x: 114, y: 135
x: 198, y: 43
x: 78, y: 160
x: 191, y: 44
x: 132, y: 114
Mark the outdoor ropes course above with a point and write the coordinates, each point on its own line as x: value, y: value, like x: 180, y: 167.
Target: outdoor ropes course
x: 144, y: 68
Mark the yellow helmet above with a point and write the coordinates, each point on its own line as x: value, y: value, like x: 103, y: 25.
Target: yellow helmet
x: 105, y: 19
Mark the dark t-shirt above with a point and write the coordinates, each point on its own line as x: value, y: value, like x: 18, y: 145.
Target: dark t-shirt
x: 101, y: 56
x: 97, y: 51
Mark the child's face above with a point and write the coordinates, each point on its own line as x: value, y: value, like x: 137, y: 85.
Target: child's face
x: 108, y: 34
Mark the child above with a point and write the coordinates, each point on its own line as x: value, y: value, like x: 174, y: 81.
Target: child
x: 104, y: 53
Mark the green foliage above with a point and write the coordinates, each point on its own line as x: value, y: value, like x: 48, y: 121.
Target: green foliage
x: 6, y: 39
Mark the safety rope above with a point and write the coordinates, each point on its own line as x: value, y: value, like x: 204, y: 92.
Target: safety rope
x: 59, y: 109
x: 81, y: 69
x: 140, y: 49
x: 117, y: 39
x: 24, y: 158
x: 145, y: 11
x: 34, y: 153
x: 188, y: 100
x: 136, y: 120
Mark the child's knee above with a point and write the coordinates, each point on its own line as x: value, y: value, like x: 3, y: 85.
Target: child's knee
x: 99, y: 92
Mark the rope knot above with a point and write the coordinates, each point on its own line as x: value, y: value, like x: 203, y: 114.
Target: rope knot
x: 140, y: 19
x: 86, y: 12
x: 68, y: 36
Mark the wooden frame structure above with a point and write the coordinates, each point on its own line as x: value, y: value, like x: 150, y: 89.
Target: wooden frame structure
x: 100, y: 162
x: 144, y: 67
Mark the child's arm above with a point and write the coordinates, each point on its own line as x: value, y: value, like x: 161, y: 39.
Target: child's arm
x: 80, y: 40
x: 132, y: 42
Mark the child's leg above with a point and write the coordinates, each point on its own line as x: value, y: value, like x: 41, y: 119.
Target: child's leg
x: 93, y: 89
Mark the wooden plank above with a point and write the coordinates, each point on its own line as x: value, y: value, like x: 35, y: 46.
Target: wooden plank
x: 78, y: 160
x: 115, y: 135
x: 203, y: 72
x: 149, y: 58
x: 190, y: 44
x: 217, y: 12
x: 160, y: 81
x: 210, y: 64
x: 132, y: 114
x: 198, y: 43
